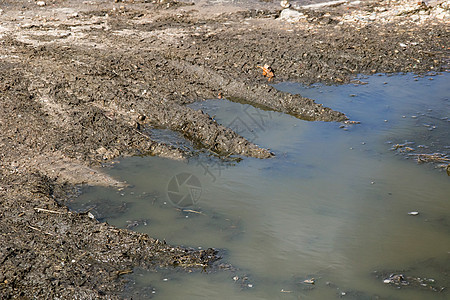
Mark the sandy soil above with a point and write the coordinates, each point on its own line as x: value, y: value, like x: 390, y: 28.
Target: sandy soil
x: 80, y: 80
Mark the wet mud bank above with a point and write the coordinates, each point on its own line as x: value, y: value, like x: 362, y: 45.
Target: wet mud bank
x: 80, y: 82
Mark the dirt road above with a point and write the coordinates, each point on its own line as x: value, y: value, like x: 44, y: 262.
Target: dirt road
x: 80, y: 80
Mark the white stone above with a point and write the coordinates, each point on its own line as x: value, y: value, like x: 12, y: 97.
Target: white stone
x: 291, y: 15
x: 285, y: 4
x: 324, y: 4
x: 40, y: 3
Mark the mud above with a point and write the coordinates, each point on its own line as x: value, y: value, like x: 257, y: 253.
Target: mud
x: 80, y: 81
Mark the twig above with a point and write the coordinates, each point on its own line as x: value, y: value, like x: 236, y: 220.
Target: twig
x: 143, y: 134
x: 123, y: 272
x: 213, y: 152
x: 47, y: 210
x: 37, y: 229
x: 193, y: 211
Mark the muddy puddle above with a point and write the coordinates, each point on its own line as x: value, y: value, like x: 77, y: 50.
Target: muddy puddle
x: 332, y: 215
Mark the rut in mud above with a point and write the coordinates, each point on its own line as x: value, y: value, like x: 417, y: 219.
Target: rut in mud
x: 80, y: 81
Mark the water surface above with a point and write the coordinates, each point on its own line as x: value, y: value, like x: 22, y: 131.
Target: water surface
x: 332, y: 205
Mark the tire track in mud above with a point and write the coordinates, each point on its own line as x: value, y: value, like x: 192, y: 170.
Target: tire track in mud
x: 114, y: 91
x: 75, y: 77
x: 261, y: 95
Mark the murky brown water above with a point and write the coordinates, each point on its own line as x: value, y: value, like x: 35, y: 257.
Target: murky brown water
x: 332, y: 205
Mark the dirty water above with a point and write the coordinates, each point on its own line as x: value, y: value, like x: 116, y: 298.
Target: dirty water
x: 332, y: 206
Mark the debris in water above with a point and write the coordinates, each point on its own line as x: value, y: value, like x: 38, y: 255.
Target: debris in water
x: 402, y: 281
x: 309, y: 281
x: 352, y: 122
x: 403, y: 147
x: 413, y: 213
x: 396, y: 279
x: 435, y: 157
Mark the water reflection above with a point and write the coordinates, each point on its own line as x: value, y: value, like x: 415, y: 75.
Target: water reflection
x: 332, y: 205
